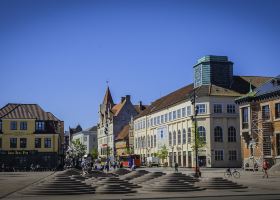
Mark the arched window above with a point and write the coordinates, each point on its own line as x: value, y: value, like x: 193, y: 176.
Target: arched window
x: 202, y: 133
x: 184, y: 136
x: 144, y: 142
x: 149, y: 144
x: 231, y: 134
x: 155, y: 141
x: 218, y: 134
x: 170, y: 139
x: 174, y: 138
x: 189, y: 135
x: 179, y: 137
x: 152, y: 141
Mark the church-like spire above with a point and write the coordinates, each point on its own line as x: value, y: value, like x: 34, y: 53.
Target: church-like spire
x: 108, y: 97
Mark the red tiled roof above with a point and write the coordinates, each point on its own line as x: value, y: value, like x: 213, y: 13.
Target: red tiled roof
x: 123, y: 134
x: 240, y: 85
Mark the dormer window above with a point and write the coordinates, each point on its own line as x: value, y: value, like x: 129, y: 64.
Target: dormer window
x: 40, y: 126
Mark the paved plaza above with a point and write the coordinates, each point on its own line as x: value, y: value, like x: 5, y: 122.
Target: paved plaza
x: 144, y: 183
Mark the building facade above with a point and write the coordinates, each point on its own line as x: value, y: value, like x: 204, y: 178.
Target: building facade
x: 170, y: 120
x: 112, y: 119
x: 260, y: 124
x: 87, y: 137
x: 29, y: 135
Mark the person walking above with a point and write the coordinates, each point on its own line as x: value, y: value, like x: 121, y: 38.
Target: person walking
x: 176, y: 167
x: 265, y: 168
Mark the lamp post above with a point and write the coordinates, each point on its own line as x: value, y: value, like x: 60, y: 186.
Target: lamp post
x: 195, y: 109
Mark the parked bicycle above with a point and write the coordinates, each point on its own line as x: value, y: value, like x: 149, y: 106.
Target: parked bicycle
x: 232, y: 173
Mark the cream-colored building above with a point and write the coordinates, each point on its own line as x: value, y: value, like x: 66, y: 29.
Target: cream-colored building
x: 169, y: 120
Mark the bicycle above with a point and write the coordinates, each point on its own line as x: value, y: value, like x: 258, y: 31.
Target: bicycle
x: 232, y: 173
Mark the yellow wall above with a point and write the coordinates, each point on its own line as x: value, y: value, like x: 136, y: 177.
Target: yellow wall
x: 29, y: 134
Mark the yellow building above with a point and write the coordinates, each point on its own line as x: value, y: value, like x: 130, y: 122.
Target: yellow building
x: 29, y: 135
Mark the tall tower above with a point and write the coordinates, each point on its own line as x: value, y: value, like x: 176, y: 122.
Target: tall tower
x: 216, y: 70
x: 106, y: 105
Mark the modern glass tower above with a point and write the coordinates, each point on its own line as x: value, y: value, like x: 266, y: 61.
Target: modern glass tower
x: 213, y: 70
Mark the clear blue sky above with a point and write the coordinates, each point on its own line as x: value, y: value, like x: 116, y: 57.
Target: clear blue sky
x: 59, y: 54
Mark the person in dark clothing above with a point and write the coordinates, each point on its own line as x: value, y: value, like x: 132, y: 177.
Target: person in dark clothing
x: 176, y: 167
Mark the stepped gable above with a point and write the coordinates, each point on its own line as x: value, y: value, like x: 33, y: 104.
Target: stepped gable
x: 147, y: 177
x: 60, y: 184
x: 174, y: 182
x: 218, y: 183
x: 134, y: 174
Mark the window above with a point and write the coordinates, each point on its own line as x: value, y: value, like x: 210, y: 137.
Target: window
x: 184, y: 136
x: 179, y: 137
x: 152, y: 141
x: 13, y: 142
x: 161, y: 119
x: 170, y: 139
x: 232, y: 155
x: 136, y: 143
x: 0, y: 125
x: 218, y: 134
x: 158, y: 120
x: 183, y: 112
x: 231, y: 134
x: 230, y: 108
x: 174, y: 115
x: 201, y: 108
x: 218, y: 108
x: 144, y: 141
x: 219, y: 155
x: 40, y: 126
x: 277, y: 112
x: 179, y: 113
x: 48, y: 143
x: 165, y: 117
x: 152, y: 122
x: 189, y: 135
x: 37, y: 142
x: 13, y: 125
x: 23, y: 125
x: 170, y: 116
x: 155, y: 140
x: 245, y: 118
x: 149, y: 141
x: 174, y: 138
x: 189, y: 111
x: 22, y: 142
x: 265, y: 112
x: 202, y: 133
x: 155, y: 121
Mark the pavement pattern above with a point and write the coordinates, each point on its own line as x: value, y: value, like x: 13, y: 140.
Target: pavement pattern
x: 144, y: 183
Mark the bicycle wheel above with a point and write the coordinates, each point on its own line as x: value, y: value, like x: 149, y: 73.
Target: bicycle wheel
x: 227, y: 175
x: 236, y: 174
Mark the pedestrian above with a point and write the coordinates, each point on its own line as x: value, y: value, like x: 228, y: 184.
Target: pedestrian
x: 265, y: 168
x: 176, y: 167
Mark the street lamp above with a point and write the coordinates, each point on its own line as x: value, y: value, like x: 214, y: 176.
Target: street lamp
x: 195, y: 109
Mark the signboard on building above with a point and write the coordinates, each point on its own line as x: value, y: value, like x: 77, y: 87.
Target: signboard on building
x: 162, y: 137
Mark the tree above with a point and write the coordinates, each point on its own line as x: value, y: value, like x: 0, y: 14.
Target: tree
x: 129, y: 150
x: 197, y: 141
x: 79, y: 149
x: 94, y: 153
x: 162, y: 153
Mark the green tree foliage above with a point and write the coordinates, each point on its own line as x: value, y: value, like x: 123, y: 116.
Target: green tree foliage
x: 79, y: 149
x: 129, y: 150
x: 162, y: 153
x: 198, y: 141
x: 94, y: 153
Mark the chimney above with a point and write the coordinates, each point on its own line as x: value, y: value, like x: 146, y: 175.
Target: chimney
x: 140, y: 105
x: 127, y: 97
x: 122, y: 99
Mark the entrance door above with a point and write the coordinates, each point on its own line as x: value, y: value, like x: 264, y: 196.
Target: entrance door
x: 202, y: 161
x: 184, y: 159
x: 189, y: 159
x: 179, y: 159
x: 170, y: 159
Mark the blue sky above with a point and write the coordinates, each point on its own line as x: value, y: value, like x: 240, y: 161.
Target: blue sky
x: 60, y: 54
